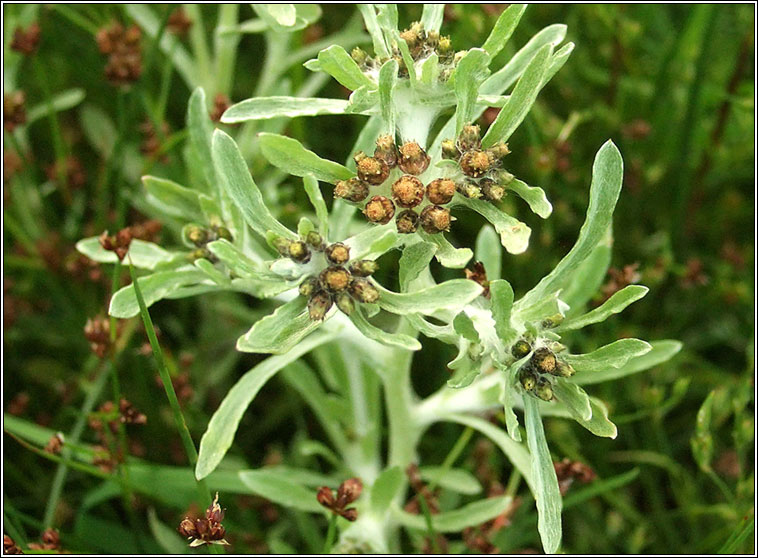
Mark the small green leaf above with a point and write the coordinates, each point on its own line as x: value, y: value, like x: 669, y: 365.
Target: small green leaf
x: 447, y: 254
x: 489, y: 251
x: 200, y: 133
x: 223, y: 425
x: 532, y: 195
x: 524, y: 94
x: 615, y: 304
x: 464, y: 326
x: 385, y: 488
x: 660, y: 352
x: 289, y: 155
x: 263, y: 108
x: 465, y: 370
x: 145, y: 255
x: 387, y: 82
x: 450, y: 295
x: 61, y: 101
x: 599, y: 424
x: 430, y: 70
x: 575, y: 398
x: 154, y: 287
x: 503, y: 29
x: 237, y: 182
x: 217, y: 276
x: 506, y: 399
x: 514, y: 235
x: 279, y: 489
x: 336, y: 62
x: 317, y: 201
x: 387, y: 17
x: 607, y: 174
x: 283, y: 14
x: 279, y: 332
x: 456, y: 480
x: 469, y: 74
x: 372, y: 242
x: 431, y: 17
x: 588, y: 276
x: 98, y: 128
x: 399, y: 340
x: 236, y: 260
x: 414, y: 259
x: 501, y: 298
x: 613, y: 355
x: 372, y: 25
x: 546, y: 491
x: 173, y: 198
x: 702, y: 441
x: 455, y: 521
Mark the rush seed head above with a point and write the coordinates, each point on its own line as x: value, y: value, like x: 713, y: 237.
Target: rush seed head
x: 435, y: 219
x: 363, y: 291
x: 407, y: 221
x: 337, y: 253
x: 476, y: 163
x: 354, y: 190
x: 413, y: 159
x: 408, y: 191
x: 379, y: 209
x: 334, y: 279
x: 440, y: 191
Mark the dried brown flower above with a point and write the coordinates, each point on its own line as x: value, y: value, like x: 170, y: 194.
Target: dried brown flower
x: 478, y: 274
x: 205, y: 530
x: 568, y: 471
x: 435, y: 219
x: 98, y: 332
x: 9, y: 546
x: 178, y: 22
x: 26, y: 41
x: 51, y: 540
x: 14, y: 110
x: 221, y: 103
x: 354, y: 190
x: 119, y: 243
x: 379, y: 209
x: 55, y: 444
x: 408, y: 191
x: 122, y: 45
x: 413, y: 159
x: 347, y: 493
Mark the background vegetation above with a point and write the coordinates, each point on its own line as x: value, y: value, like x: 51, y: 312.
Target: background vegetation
x: 672, y: 85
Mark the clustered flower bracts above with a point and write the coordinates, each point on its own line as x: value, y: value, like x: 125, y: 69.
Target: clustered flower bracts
x: 347, y: 493
x: 534, y: 375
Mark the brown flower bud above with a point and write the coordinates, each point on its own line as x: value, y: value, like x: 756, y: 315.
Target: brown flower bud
x: 408, y: 191
x: 187, y: 528
x: 563, y: 369
x: 363, y: 291
x: 334, y: 279
x: 435, y: 219
x: 379, y: 210
x: 543, y: 389
x: 178, y: 23
x: 308, y: 287
x: 491, y: 190
x: 527, y: 378
x: 407, y: 222
x: 299, y: 252
x: 449, y: 150
x: 476, y: 163
x: 469, y: 138
x: 363, y: 268
x: 354, y: 190
x: 196, y: 235
x: 55, y: 444
x: 282, y: 245
x: 223, y: 233
x: 386, y: 150
x: 344, y: 302
x: 544, y: 360
x: 370, y: 169
x: 337, y: 253
x: 325, y: 497
x: 351, y: 514
x: 413, y: 159
x: 440, y: 191
x: 318, y: 305
x: 499, y: 150
x: 26, y: 41
x: 349, y: 491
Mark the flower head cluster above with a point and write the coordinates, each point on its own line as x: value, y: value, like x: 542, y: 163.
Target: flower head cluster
x: 347, y: 493
x: 205, y: 530
x: 419, y: 205
x: 421, y: 45
x: 482, y: 174
x: 26, y: 41
x: 195, y: 235
x: 122, y: 45
x: 535, y: 374
x: 334, y: 279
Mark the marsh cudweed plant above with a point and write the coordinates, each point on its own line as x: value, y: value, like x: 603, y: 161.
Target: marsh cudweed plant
x: 401, y: 189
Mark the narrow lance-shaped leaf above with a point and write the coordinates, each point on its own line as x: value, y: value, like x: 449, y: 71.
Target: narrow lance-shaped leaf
x: 62, y: 101
x: 507, y: 398
x: 399, y: 340
x: 450, y: 295
x: 455, y: 521
x: 236, y: 179
x: 613, y: 355
x: 532, y: 195
x: 173, y: 198
x: 599, y: 424
x: 279, y: 332
x: 289, y: 155
x: 546, y: 491
x: 430, y: 69
x: 278, y: 487
x: 575, y: 398
x: 615, y: 304
x: 447, y: 254
x: 588, y: 276
x: 413, y: 261
x: 660, y: 352
x: 456, y: 480
x: 317, y: 201
x: 514, y: 235
x: 387, y: 81
x: 431, y: 17
x: 336, y: 62
x: 154, y: 288
x: 469, y: 74
x: 372, y: 25
x: 263, y: 108
x: 503, y: 29
x: 607, y: 174
x: 702, y: 441
x: 236, y: 260
x: 144, y: 255
x: 524, y: 94
x: 200, y: 133
x: 488, y: 251
x: 222, y: 427
x: 501, y: 298
x: 385, y: 488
